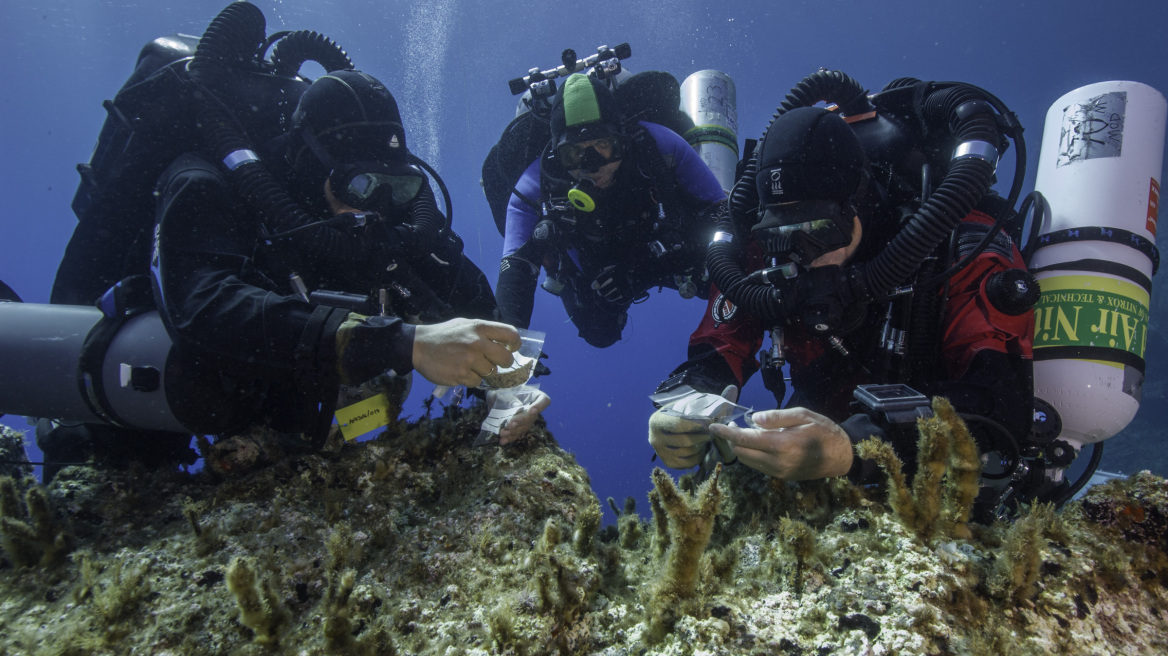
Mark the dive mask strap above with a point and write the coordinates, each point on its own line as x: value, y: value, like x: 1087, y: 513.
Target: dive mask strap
x: 317, y: 150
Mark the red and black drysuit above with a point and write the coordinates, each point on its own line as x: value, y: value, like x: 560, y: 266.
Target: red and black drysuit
x: 985, y: 363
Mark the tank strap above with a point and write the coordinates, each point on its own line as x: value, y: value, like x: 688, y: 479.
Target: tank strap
x: 713, y: 133
x: 1112, y: 235
x: 1101, y: 266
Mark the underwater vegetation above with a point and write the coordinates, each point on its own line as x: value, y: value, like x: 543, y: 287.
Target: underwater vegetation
x: 946, y: 480
x: 417, y: 542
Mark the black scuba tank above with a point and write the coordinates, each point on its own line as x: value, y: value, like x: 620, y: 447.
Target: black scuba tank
x: 154, y: 118
x: 149, y: 123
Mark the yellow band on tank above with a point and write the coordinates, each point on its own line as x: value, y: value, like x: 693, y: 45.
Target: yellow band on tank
x: 703, y: 134
x: 581, y: 200
x: 1091, y: 311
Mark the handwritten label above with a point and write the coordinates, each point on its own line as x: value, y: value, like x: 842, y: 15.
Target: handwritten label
x: 363, y: 416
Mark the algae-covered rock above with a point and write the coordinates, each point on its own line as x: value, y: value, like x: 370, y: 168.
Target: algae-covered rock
x: 12, y: 453
x: 418, y: 542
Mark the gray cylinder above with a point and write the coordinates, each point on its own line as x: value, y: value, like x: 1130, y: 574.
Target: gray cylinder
x: 710, y: 99
x: 134, y: 374
x: 122, y: 381
x: 40, y: 348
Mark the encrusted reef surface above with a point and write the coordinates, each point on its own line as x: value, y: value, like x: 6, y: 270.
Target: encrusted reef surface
x: 419, y: 543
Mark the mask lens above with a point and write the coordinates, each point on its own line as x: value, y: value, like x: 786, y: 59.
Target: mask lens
x: 405, y: 187
x: 805, y: 230
x: 593, y: 154
x: 571, y: 155
x: 823, y: 230
x: 362, y: 185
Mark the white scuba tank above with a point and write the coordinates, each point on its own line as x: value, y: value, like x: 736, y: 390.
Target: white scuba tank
x: 1102, y: 153
x: 709, y: 98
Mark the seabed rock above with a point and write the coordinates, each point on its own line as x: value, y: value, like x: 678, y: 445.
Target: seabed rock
x: 419, y: 543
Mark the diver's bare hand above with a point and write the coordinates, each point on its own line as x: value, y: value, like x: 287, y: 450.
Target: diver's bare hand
x: 462, y: 351
x: 795, y: 444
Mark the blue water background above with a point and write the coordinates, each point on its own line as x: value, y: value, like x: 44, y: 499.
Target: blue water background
x: 448, y: 64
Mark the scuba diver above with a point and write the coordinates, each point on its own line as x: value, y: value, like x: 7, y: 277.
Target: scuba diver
x: 867, y: 242
x: 611, y: 208
x: 279, y: 273
x: 233, y: 292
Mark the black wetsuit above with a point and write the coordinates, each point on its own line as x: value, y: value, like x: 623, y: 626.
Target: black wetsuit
x: 226, y: 299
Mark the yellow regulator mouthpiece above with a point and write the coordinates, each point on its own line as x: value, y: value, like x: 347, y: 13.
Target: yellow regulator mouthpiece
x: 581, y: 200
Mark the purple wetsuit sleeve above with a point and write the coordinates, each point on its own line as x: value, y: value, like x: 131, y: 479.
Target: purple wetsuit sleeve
x: 522, y: 217
x: 692, y: 173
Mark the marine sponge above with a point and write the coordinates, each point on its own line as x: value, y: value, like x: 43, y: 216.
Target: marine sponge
x: 1016, y: 570
x: 115, y: 601
x: 660, y: 522
x: 30, y: 532
x: 801, y: 539
x: 629, y: 525
x: 587, y: 528
x: 564, y: 582
x: 551, y: 572
x: 338, y: 626
x: 690, y: 523
x: 259, y: 608
x: 964, y: 471
x: 946, y: 482
x: 207, y: 538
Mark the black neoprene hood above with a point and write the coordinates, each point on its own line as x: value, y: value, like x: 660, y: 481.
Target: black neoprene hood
x: 353, y: 118
x: 809, y: 153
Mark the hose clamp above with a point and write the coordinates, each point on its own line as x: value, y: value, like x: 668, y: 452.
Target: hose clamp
x: 982, y: 150
x: 238, y: 158
x: 722, y: 236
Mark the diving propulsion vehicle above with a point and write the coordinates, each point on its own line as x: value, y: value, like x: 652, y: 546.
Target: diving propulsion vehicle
x: 101, y: 365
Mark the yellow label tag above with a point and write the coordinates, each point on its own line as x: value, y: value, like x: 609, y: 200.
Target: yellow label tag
x: 361, y: 417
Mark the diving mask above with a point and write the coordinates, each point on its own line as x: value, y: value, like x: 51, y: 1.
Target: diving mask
x: 803, y: 231
x: 377, y: 186
x: 589, y: 156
